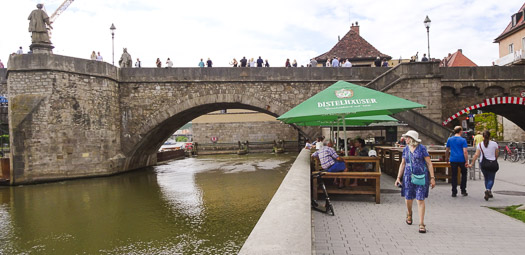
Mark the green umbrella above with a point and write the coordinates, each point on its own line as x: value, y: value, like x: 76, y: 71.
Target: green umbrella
x: 344, y: 100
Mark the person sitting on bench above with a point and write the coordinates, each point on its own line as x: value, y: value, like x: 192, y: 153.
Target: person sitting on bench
x: 330, y: 161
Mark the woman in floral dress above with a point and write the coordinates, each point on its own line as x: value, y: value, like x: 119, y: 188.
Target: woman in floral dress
x: 415, y: 160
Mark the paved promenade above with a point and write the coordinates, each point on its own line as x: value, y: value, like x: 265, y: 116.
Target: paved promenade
x: 461, y: 225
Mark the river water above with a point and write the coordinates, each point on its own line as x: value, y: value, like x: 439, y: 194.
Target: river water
x: 204, y: 205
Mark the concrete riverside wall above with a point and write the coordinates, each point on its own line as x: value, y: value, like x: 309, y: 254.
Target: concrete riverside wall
x: 262, y: 131
x: 285, y: 227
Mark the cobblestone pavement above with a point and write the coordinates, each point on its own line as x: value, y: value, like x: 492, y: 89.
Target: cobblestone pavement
x: 461, y: 225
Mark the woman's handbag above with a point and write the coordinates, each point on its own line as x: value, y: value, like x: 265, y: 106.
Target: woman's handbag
x: 487, y: 164
x: 416, y: 179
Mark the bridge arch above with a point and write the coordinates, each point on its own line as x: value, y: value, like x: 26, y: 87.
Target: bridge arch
x: 511, y: 108
x: 164, y: 122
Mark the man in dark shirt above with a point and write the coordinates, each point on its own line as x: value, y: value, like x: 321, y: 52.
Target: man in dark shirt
x: 243, y: 62
x: 377, y: 62
x: 260, y: 62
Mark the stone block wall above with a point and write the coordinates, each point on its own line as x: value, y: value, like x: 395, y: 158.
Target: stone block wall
x: 62, y: 124
x: 3, y: 81
x: 263, y: 131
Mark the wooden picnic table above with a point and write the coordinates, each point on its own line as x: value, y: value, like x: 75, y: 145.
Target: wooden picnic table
x: 391, y: 159
x: 371, y: 185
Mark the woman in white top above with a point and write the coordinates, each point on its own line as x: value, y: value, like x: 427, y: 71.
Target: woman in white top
x: 490, y: 151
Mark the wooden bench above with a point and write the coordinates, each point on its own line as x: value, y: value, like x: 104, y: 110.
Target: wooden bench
x: 372, y: 178
x: 442, y: 171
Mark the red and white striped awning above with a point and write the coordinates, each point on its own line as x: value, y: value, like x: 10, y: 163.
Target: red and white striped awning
x: 487, y: 102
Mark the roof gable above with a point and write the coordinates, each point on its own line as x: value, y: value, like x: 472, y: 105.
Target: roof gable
x: 510, y: 29
x: 352, y: 46
x: 457, y: 59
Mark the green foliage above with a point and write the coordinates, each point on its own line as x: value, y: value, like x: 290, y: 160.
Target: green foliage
x: 181, y: 139
x: 512, y: 212
x: 489, y: 121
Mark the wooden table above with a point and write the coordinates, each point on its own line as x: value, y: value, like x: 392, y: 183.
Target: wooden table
x: 373, y: 182
x: 391, y: 159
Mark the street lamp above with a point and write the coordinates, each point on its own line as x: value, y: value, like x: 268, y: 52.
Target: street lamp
x: 112, y: 28
x: 427, y: 25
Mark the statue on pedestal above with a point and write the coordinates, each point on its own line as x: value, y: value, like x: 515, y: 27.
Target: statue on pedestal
x: 125, y: 59
x: 38, y: 26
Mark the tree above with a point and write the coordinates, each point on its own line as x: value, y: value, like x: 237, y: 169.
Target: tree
x: 181, y: 139
x: 489, y: 121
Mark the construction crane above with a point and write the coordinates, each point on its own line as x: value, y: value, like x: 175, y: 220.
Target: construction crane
x: 60, y: 9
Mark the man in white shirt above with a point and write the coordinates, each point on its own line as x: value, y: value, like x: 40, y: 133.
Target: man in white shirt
x: 347, y: 64
x: 169, y: 63
x: 99, y: 58
x: 20, y: 51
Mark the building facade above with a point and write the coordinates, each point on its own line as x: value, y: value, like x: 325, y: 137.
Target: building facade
x: 512, y: 41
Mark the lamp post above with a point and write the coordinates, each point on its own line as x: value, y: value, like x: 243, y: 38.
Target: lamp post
x: 112, y: 28
x: 427, y: 25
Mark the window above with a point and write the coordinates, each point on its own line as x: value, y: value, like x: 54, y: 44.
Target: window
x: 523, y: 43
x: 511, y: 48
x: 513, y: 20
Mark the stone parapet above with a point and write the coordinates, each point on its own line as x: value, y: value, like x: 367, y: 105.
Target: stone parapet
x: 45, y: 62
x: 358, y: 75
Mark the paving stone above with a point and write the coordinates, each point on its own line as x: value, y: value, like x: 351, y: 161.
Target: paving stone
x: 462, y: 225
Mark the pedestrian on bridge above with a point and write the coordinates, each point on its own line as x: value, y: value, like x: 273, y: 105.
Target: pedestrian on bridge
x: 201, y: 64
x: 244, y: 61
x: 1, y: 64
x: 234, y: 63
x: 457, y: 150
x: 260, y: 62
x: 169, y: 63
x: 209, y: 63
x: 99, y: 57
x: 266, y: 64
x: 158, y: 63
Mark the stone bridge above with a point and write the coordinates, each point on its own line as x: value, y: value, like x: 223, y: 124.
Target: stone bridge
x: 72, y: 117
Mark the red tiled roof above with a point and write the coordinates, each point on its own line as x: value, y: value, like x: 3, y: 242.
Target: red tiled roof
x: 520, y: 24
x: 353, y: 47
x: 457, y: 59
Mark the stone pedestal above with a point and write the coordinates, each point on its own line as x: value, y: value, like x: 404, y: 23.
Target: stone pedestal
x: 41, y: 48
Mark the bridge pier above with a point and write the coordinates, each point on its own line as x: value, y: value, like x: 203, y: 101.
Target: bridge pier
x: 64, y: 119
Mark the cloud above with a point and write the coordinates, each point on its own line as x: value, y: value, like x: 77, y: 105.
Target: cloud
x: 186, y: 31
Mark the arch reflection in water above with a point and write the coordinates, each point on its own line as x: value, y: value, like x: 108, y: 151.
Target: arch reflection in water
x: 205, y: 205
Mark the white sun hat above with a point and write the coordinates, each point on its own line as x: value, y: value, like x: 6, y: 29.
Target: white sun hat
x: 412, y: 134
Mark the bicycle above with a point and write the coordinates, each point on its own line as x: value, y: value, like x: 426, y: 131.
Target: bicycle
x: 328, y: 207
x: 510, y: 152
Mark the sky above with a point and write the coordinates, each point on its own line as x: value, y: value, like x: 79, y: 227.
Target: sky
x: 186, y: 31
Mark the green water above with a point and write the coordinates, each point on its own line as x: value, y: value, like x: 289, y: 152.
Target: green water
x: 204, y: 205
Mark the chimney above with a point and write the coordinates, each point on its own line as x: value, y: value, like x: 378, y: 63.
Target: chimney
x: 355, y: 27
x: 460, y: 50
x: 338, y: 38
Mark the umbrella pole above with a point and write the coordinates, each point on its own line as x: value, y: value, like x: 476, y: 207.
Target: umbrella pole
x: 338, y: 135
x: 344, y: 130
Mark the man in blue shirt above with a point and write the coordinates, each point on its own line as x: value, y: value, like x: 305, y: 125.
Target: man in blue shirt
x: 457, y: 149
